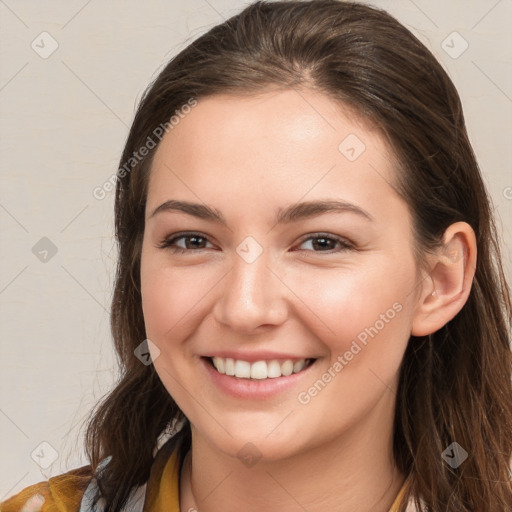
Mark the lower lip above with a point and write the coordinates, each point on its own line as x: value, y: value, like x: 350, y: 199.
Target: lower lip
x: 254, y: 389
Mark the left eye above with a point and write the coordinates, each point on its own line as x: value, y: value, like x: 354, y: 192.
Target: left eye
x: 326, y: 242
x: 194, y: 242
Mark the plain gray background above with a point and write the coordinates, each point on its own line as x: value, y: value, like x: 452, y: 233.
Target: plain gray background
x: 64, y: 119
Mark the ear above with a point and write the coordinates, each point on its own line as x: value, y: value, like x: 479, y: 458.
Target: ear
x: 446, y: 287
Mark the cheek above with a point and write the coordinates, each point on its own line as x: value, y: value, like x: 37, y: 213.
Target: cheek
x: 347, y: 301
x: 363, y: 316
x: 169, y: 297
x: 364, y: 323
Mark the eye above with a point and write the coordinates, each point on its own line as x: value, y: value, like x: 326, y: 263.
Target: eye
x: 193, y: 242
x: 326, y: 243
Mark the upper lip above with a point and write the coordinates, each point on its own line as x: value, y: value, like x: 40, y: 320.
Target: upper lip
x: 252, y: 357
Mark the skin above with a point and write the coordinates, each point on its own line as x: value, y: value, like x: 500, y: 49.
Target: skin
x: 248, y: 157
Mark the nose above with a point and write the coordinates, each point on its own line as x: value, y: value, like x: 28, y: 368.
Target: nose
x: 252, y: 296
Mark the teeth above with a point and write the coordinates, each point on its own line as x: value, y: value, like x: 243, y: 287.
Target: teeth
x: 258, y: 370
x: 298, y: 366
x: 219, y: 364
x: 274, y: 369
x: 242, y: 369
x: 229, y: 366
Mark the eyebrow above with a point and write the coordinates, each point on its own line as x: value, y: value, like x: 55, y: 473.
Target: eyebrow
x: 292, y: 213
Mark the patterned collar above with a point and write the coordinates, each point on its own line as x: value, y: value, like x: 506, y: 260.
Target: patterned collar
x: 137, y: 498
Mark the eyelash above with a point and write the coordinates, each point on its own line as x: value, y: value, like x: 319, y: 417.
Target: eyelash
x: 168, y: 242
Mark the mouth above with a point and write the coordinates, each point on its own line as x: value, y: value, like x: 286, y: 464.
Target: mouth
x: 258, y: 370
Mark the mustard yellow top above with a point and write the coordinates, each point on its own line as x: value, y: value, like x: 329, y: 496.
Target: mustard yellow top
x: 63, y: 493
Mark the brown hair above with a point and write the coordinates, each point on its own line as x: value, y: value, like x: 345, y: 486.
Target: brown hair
x: 455, y: 385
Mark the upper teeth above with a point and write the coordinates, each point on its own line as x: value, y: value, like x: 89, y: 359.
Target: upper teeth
x: 258, y: 369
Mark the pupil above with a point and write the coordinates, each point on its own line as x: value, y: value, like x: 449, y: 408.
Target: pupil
x: 324, y: 242
x: 194, y: 239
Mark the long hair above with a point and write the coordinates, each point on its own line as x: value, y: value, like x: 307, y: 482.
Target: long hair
x: 455, y: 384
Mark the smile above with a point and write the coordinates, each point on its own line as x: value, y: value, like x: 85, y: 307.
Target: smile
x: 259, y: 370
x: 262, y: 378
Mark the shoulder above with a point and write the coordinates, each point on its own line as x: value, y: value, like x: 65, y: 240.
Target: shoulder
x: 61, y: 493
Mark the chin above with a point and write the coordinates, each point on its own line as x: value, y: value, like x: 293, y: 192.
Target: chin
x: 255, y: 444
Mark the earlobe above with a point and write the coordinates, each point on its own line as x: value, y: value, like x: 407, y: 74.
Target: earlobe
x: 446, y: 288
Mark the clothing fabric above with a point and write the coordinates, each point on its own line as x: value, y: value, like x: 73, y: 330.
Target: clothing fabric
x: 73, y: 491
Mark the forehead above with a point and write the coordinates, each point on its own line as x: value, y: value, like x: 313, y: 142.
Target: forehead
x: 278, y: 145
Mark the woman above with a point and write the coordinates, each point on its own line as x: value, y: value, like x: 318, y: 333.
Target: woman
x: 310, y: 308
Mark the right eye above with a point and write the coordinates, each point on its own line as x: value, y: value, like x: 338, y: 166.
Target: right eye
x: 170, y: 242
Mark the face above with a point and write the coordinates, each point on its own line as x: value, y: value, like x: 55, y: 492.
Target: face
x: 257, y: 277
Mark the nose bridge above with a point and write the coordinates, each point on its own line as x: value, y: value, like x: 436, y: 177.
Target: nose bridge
x: 252, y: 293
